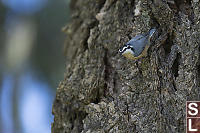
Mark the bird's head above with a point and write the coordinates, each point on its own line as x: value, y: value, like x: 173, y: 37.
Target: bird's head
x: 127, y: 51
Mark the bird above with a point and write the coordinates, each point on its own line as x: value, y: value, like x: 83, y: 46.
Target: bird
x: 138, y: 46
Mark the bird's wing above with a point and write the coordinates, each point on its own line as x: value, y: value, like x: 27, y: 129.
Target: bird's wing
x: 136, y: 38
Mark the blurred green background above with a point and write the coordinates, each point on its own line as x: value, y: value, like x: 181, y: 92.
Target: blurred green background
x: 31, y: 62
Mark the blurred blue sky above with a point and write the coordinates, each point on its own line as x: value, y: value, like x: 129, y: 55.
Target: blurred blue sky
x: 25, y: 6
x: 6, y: 102
x: 35, y: 103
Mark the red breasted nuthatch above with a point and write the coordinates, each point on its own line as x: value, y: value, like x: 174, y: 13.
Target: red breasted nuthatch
x: 137, y: 47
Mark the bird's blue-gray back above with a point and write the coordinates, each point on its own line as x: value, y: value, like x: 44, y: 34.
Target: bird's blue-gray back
x: 140, y: 41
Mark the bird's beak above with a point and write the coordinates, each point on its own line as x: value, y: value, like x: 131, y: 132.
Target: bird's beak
x: 120, y: 52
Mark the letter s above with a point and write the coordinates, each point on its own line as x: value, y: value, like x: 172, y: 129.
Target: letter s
x: 193, y: 108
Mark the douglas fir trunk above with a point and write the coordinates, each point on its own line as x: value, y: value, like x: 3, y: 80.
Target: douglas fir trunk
x: 104, y: 92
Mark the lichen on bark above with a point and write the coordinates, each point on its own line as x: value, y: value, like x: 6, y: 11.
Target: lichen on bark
x: 104, y: 92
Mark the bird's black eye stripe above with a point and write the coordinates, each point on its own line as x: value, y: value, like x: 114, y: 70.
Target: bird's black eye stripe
x: 125, y: 48
x: 129, y: 47
x: 132, y: 49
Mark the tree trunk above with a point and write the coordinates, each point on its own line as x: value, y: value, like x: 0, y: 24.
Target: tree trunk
x: 106, y: 93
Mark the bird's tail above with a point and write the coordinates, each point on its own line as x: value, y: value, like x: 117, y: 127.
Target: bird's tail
x: 151, y: 32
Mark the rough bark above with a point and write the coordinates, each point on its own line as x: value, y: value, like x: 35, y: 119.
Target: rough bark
x: 104, y: 92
